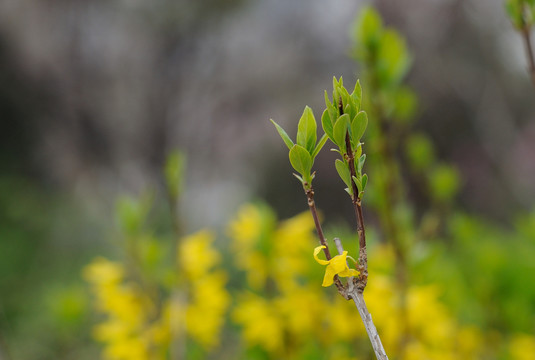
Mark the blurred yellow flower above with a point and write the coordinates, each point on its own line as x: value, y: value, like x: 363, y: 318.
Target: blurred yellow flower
x: 102, y: 271
x: 247, y: 226
x: 196, y: 254
x: 262, y: 324
x: 336, y: 266
x: 205, y: 315
x: 522, y: 347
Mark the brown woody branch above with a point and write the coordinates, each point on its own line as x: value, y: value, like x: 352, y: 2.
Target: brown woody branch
x: 357, y: 206
x: 312, y: 206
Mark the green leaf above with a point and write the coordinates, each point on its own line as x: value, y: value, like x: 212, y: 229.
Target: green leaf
x: 350, y: 110
x: 364, y: 181
x: 327, y: 100
x: 299, y: 178
x: 358, y: 126
x: 336, y: 84
x: 319, y: 146
x: 419, y: 152
x: 343, y: 172
x: 356, y: 95
x: 358, y: 152
x: 300, y: 160
x: 174, y: 173
x: 327, y: 124
x: 393, y: 58
x: 360, y: 164
x: 514, y: 9
x: 368, y: 27
x: 444, y: 182
x: 306, y: 130
x: 283, y: 135
x: 404, y: 104
x: 333, y: 113
x: 345, y: 97
x: 340, y: 129
x: 358, y: 183
x: 337, y: 151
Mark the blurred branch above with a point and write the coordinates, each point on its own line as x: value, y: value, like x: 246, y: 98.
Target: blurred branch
x: 526, y: 35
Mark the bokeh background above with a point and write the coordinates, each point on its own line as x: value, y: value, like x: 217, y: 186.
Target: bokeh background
x: 95, y: 94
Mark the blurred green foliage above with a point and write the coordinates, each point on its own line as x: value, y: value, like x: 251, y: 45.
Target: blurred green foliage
x: 521, y: 13
x: 39, y: 283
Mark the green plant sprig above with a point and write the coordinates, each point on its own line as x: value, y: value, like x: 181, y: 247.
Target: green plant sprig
x: 302, y: 155
x: 522, y: 16
x: 345, y: 125
x: 304, y: 151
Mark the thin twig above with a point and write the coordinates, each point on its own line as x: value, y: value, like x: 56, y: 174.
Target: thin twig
x: 358, y: 299
x: 526, y: 35
x: 312, y: 206
x: 355, y: 199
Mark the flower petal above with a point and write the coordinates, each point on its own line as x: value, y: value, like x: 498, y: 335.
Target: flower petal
x: 348, y: 273
x: 329, y: 276
x: 339, y: 262
x: 316, y: 252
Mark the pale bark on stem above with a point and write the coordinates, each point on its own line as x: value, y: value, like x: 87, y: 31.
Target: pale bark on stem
x: 358, y: 298
x: 377, y: 345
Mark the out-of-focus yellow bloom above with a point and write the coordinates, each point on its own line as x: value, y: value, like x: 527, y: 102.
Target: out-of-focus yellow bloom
x: 300, y: 307
x: 205, y: 314
x: 336, y: 266
x: 247, y: 227
x: 291, y: 244
x: 522, y: 347
x: 102, y: 271
x: 343, y: 323
x: 196, y: 254
x: 261, y: 322
x: 129, y: 349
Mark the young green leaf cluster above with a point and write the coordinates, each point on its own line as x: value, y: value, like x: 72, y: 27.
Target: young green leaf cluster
x: 345, y: 123
x: 304, y: 151
x: 521, y: 13
x: 381, y: 45
x: 386, y: 59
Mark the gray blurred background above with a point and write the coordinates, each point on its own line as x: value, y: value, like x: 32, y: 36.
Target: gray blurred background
x: 94, y: 94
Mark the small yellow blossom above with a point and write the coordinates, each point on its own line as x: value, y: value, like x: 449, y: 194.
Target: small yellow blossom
x: 102, y: 272
x: 262, y: 323
x: 336, y: 266
x: 196, y: 254
x: 522, y: 347
x: 247, y: 227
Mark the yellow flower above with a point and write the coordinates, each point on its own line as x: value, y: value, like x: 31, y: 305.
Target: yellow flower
x: 102, y: 272
x: 262, y: 323
x: 247, y: 227
x: 522, y: 347
x: 196, y: 254
x: 336, y: 266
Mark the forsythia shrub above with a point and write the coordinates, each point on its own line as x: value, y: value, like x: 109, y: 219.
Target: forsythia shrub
x: 145, y: 317
x: 278, y: 304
